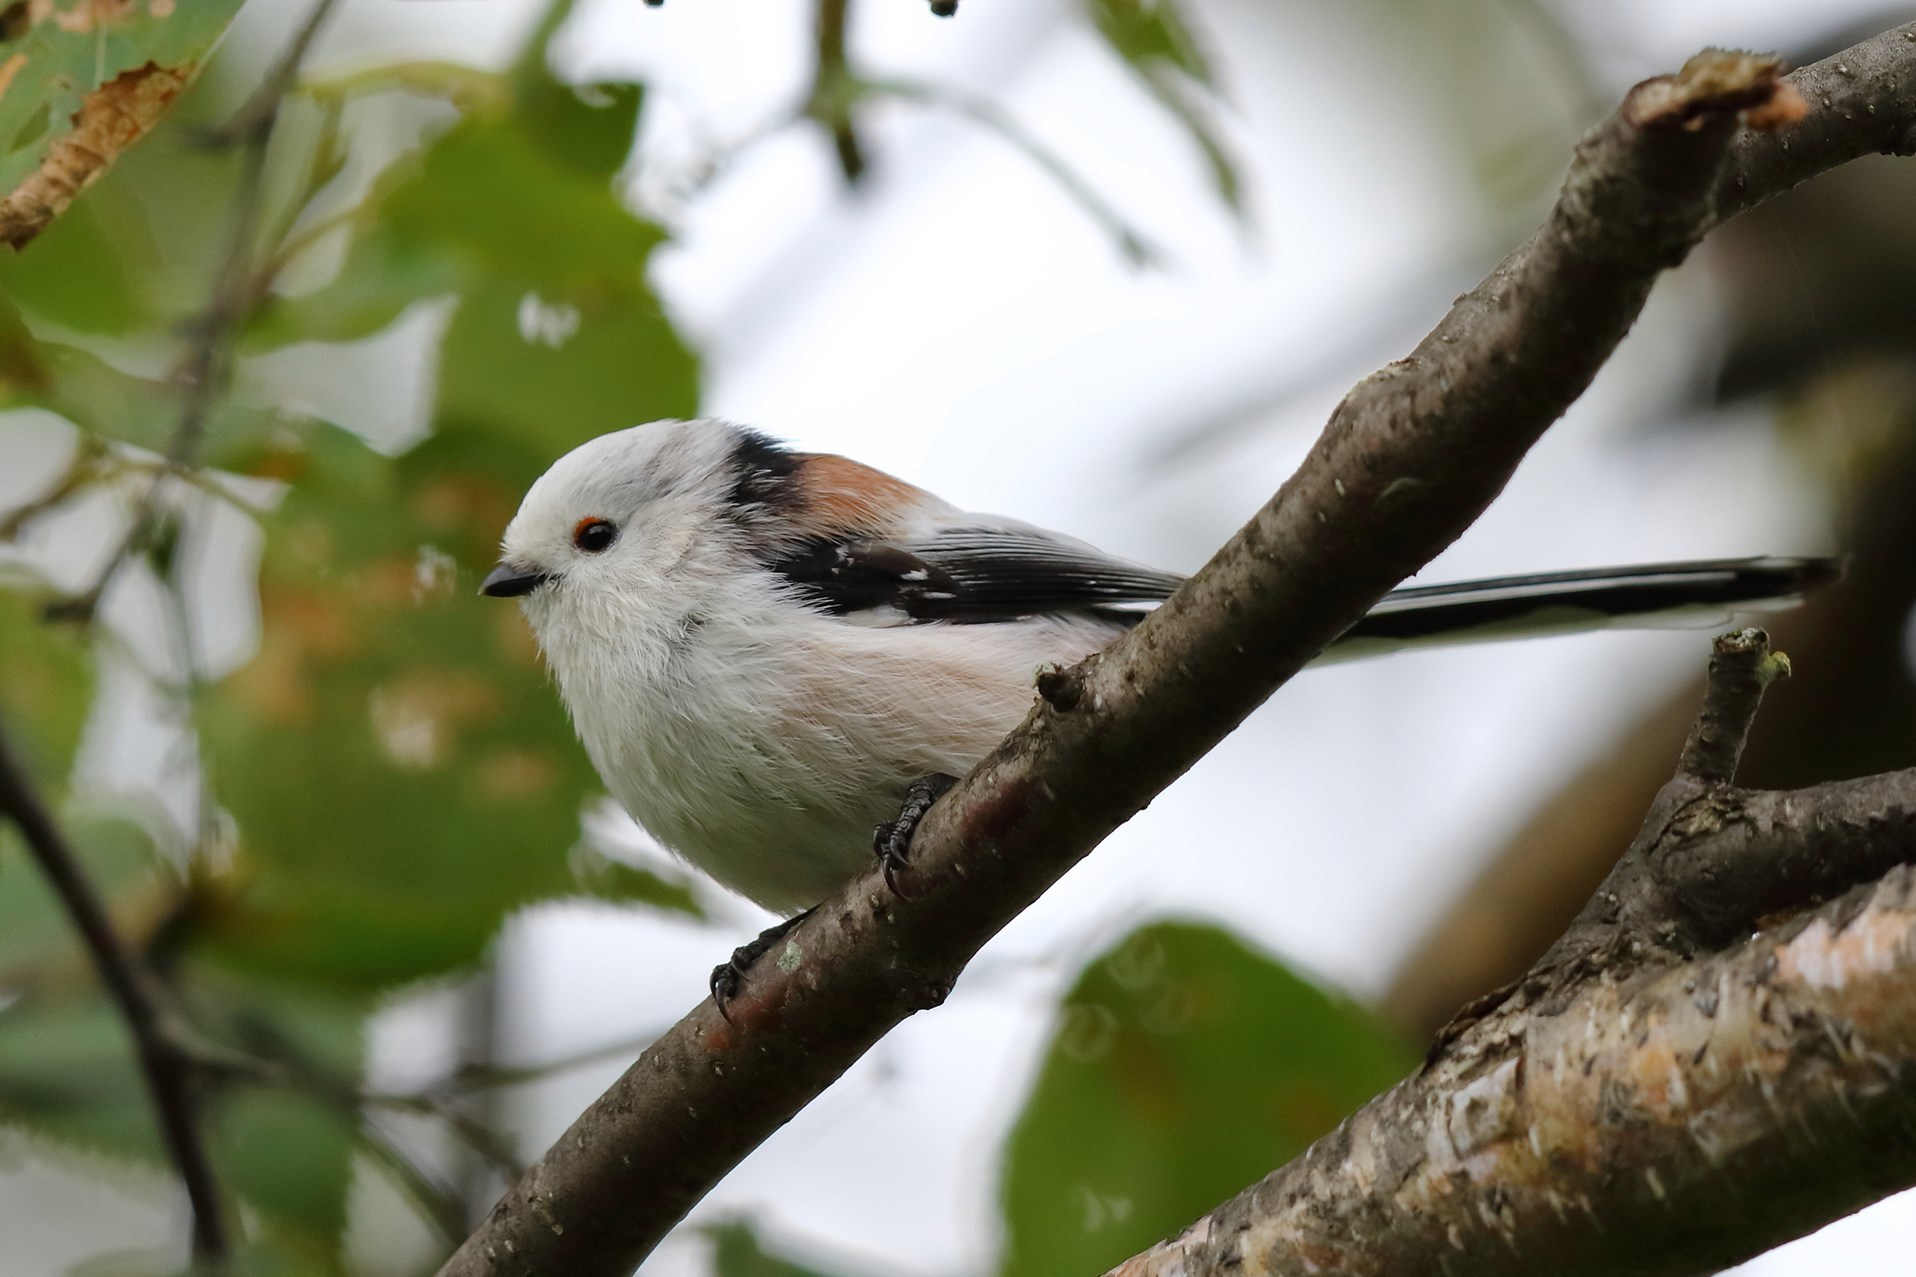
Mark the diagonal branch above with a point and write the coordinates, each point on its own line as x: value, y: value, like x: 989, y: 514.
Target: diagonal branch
x: 1657, y: 1072
x: 168, y: 1070
x: 1410, y: 458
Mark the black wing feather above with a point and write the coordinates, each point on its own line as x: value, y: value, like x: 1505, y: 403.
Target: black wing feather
x: 984, y: 574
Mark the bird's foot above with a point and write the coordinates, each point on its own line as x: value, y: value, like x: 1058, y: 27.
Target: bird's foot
x: 891, y: 841
x: 727, y: 975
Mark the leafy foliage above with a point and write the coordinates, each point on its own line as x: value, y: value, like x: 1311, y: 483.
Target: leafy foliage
x: 397, y: 773
x: 80, y: 81
x: 1185, y: 1066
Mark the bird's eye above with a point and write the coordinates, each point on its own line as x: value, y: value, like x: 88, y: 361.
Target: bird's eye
x: 595, y: 534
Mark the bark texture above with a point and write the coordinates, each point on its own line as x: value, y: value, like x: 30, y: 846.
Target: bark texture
x: 1664, y: 1120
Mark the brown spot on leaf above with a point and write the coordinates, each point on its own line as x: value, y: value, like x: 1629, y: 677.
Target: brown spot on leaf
x: 517, y: 773
x: 110, y: 119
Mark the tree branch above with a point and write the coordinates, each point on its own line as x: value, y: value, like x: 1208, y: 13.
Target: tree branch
x: 1741, y: 668
x: 1620, y: 1108
x: 1407, y: 462
x: 168, y: 1069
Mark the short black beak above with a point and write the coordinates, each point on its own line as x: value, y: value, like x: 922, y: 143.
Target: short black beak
x: 509, y: 580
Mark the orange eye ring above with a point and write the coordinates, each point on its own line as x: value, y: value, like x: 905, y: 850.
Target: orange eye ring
x: 594, y: 535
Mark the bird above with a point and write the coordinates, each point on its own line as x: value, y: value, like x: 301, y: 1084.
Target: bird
x: 776, y: 660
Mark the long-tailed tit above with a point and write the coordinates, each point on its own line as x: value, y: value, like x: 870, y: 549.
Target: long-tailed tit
x: 766, y: 652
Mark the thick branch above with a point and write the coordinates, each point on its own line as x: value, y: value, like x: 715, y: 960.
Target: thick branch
x: 1408, y: 461
x: 168, y: 1071
x: 1636, y: 1131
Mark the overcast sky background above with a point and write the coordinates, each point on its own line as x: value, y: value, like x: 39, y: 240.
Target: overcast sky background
x: 965, y: 325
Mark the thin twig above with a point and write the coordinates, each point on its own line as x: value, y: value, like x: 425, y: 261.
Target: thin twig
x: 1741, y: 667
x: 834, y: 89
x: 207, y: 369
x: 168, y: 1070
x: 1136, y: 247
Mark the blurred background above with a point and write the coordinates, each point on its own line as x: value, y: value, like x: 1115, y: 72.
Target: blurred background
x: 1099, y: 265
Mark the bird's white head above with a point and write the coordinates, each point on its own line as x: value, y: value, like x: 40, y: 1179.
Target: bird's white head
x: 635, y: 518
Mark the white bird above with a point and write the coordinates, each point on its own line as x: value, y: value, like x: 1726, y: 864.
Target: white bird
x: 768, y: 653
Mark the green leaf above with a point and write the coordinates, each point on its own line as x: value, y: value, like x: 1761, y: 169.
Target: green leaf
x: 80, y: 82
x: 111, y: 403
x: 45, y: 691
x: 67, y: 1076
x: 401, y: 773
x: 1186, y: 1065
x: 75, y: 275
x: 556, y: 335
x: 737, y: 1252
x: 607, y: 879
x: 37, y: 939
x: 1156, y: 40
x: 593, y: 362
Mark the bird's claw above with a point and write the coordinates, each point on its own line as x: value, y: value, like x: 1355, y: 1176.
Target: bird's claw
x: 728, y: 977
x: 891, y: 840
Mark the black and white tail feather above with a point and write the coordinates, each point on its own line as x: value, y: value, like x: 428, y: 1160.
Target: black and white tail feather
x: 1696, y: 593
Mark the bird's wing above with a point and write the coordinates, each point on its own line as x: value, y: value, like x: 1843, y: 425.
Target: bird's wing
x: 964, y: 568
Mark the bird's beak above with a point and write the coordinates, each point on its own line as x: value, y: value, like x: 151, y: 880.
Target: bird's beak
x: 509, y: 580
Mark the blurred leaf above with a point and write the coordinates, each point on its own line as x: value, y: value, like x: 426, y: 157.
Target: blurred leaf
x: 737, y: 1252
x: 67, y: 1076
x: 556, y: 336
x: 79, y: 83
x: 401, y: 774
x: 66, y: 1072
x: 291, y: 1157
x: 125, y: 869
x: 605, y: 878
x: 75, y: 275
x: 108, y: 402
x: 1185, y: 1067
x: 1154, y: 39
x: 44, y: 694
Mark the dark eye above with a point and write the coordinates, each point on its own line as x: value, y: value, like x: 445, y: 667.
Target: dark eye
x: 594, y: 534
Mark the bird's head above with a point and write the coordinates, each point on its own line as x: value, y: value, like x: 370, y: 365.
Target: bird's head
x: 633, y: 514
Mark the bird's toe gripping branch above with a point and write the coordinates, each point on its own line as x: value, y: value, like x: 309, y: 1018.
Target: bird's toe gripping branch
x: 891, y: 840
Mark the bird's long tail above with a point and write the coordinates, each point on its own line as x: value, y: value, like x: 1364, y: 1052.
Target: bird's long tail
x: 1703, y: 592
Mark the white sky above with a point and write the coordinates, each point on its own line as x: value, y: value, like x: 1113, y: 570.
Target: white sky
x: 963, y: 324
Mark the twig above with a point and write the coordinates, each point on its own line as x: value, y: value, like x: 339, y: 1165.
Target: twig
x: 834, y: 89
x: 1409, y: 459
x: 168, y: 1070
x: 1137, y: 248
x: 1741, y: 667
x: 207, y: 369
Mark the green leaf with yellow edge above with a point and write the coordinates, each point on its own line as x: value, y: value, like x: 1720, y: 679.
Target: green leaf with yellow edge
x: 79, y: 83
x: 1186, y: 1065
